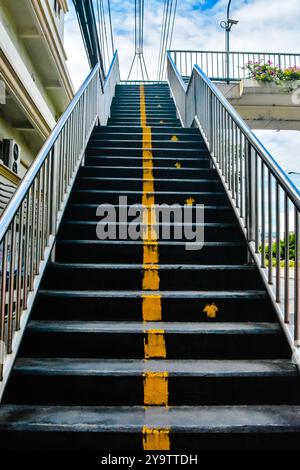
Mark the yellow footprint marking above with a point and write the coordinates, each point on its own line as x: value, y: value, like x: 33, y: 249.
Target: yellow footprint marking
x: 211, y: 310
x: 174, y: 138
x: 190, y: 201
x: 178, y: 165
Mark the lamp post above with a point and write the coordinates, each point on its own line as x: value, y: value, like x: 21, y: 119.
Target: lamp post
x: 227, y: 25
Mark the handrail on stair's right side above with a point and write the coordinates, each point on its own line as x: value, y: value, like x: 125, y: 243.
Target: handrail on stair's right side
x: 30, y: 222
x: 264, y: 198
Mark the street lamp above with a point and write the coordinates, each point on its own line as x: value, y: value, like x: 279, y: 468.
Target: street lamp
x: 227, y: 25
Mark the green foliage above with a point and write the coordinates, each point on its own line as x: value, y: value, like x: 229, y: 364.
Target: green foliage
x: 291, y: 249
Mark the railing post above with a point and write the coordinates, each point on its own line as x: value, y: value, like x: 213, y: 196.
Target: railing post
x: 211, y: 131
x: 250, y: 193
x: 54, y: 194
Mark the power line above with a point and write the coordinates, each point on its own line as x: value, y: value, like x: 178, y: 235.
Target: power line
x: 139, y: 9
x: 168, y: 23
x: 104, y: 11
x: 111, y: 28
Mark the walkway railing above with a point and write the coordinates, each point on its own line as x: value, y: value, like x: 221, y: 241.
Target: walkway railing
x: 29, y: 225
x: 265, y: 200
x: 214, y: 63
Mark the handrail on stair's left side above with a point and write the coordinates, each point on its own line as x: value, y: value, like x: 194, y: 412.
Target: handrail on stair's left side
x: 265, y: 200
x: 29, y: 225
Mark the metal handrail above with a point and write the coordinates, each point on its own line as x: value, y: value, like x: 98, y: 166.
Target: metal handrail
x: 29, y: 224
x: 269, y: 160
x: 260, y: 192
x: 214, y: 63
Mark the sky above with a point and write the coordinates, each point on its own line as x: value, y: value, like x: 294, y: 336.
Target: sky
x: 264, y: 25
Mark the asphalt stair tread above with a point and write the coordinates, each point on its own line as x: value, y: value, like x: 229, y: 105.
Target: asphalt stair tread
x: 163, y: 294
x: 174, y: 368
x: 204, y: 328
x: 197, y: 419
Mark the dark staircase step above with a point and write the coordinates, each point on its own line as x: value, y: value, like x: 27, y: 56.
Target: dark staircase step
x: 126, y: 340
x: 160, y: 184
x: 137, y: 172
x: 158, y: 162
x: 85, y: 230
x: 202, y: 427
x: 107, y: 196
x: 72, y: 276
x: 213, y: 214
x: 190, y: 382
x: 107, y: 251
x: 128, y: 305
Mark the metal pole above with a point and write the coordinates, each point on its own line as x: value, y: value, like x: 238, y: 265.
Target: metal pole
x: 227, y: 35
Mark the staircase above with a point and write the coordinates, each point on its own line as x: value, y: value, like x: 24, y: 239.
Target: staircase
x: 143, y: 344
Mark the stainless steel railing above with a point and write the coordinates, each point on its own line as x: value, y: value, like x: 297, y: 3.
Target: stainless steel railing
x: 218, y: 65
x: 265, y: 200
x: 29, y: 225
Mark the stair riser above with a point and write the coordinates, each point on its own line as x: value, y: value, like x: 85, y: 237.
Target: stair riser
x: 98, y: 144
x: 88, y: 212
x: 130, y: 309
x: 197, y: 154
x: 150, y: 122
x: 93, y: 252
x: 136, y: 114
x: 132, y: 279
x: 154, y: 130
x: 89, y: 232
x: 137, y: 185
x: 187, y: 440
x: 178, y: 346
x: 167, y: 137
x: 94, y: 197
x: 105, y: 160
x: 137, y: 172
x: 129, y: 391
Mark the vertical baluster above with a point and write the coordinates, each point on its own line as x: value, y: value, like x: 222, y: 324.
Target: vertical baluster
x: 237, y: 168
x: 19, y: 302
x: 286, y: 261
x: 263, y: 220
x: 270, y: 238
x: 38, y: 215
x: 242, y: 176
x: 277, y: 243
x: 296, y: 280
x: 3, y: 302
x: 11, y: 303
x: 27, y: 249
x: 256, y: 203
x: 32, y: 236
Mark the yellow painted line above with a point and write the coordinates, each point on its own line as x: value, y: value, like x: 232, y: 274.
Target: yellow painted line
x: 156, y: 439
x: 156, y: 391
x: 152, y: 307
x: 156, y: 386
x: 151, y: 278
x: 155, y: 346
